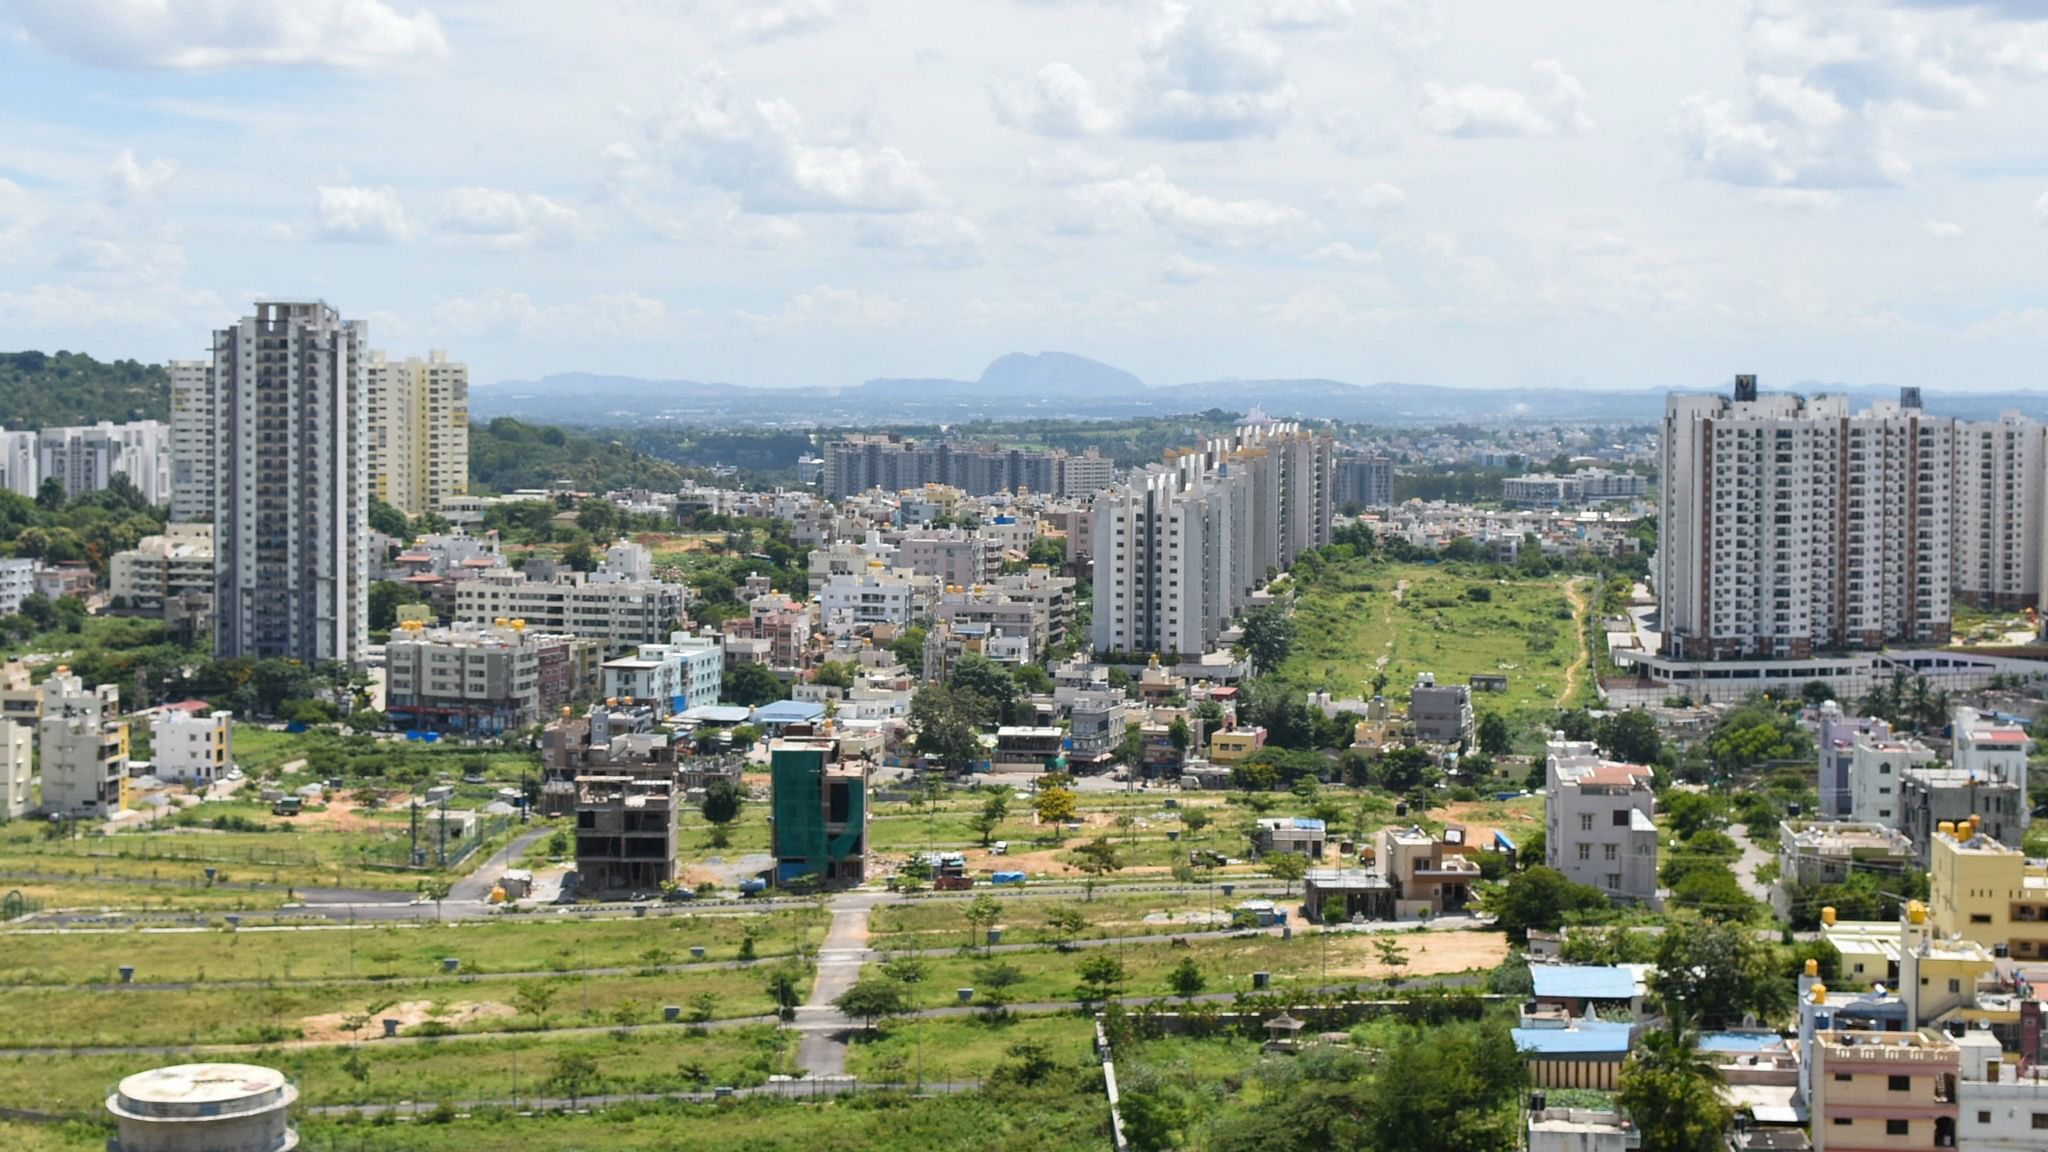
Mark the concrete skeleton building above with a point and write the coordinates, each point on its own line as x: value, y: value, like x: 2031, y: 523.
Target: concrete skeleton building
x: 418, y: 431
x: 1181, y: 546
x: 820, y: 813
x: 291, y: 484
x: 626, y: 832
x: 1600, y: 821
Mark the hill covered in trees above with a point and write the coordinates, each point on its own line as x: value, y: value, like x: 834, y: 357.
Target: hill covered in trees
x: 507, y: 454
x: 55, y: 389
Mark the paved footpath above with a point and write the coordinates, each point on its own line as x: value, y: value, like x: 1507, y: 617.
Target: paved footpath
x: 822, y: 1029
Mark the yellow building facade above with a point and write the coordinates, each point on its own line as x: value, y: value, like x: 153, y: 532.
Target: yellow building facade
x: 1981, y: 890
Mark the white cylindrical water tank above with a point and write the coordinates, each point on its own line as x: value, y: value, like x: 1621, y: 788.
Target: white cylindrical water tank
x: 204, y: 1108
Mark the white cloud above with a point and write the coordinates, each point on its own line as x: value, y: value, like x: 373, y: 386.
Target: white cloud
x: 1069, y: 166
x: 773, y: 19
x: 825, y: 306
x: 1057, y: 102
x: 502, y: 220
x: 1798, y: 199
x: 1943, y: 229
x: 360, y: 215
x: 1378, y: 197
x: 18, y: 217
x: 1181, y: 270
x: 1354, y: 135
x: 1319, y: 309
x: 940, y: 239
x: 1305, y: 15
x: 212, y: 34
x: 2041, y: 209
x: 710, y: 137
x: 1339, y: 252
x: 1556, y: 106
x: 622, y: 315
x: 1202, y: 77
x: 133, y: 182
x: 1148, y: 199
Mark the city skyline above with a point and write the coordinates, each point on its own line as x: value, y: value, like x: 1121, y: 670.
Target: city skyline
x: 817, y: 192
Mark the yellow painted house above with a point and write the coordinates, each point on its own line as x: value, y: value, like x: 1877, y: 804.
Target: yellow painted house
x: 1981, y: 890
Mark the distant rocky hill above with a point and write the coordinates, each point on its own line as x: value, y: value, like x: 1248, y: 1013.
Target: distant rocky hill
x: 1023, y: 386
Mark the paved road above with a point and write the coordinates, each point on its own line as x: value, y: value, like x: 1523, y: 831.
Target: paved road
x: 475, y: 888
x: 822, y: 1029
x: 1746, y: 865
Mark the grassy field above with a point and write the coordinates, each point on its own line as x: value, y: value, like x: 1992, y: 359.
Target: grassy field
x: 669, y: 1060
x: 967, y: 1049
x: 72, y: 1017
x: 396, y: 951
x: 1365, y: 618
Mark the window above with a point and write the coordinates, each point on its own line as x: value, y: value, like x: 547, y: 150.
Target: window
x: 1609, y: 851
x: 1896, y: 1128
x: 1843, y: 1121
x: 1899, y: 1083
x: 2041, y: 1121
x: 1955, y: 986
x: 1621, y: 817
x: 1983, y: 1117
x: 1585, y: 821
x: 1843, y: 1077
x: 1585, y: 851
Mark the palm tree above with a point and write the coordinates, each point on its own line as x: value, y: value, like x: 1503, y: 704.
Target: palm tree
x: 1916, y: 706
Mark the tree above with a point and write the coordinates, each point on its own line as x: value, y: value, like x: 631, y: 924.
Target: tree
x: 982, y: 914
x: 573, y: 1073
x: 1392, y: 956
x: 946, y: 727
x: 436, y: 890
x: 50, y: 494
x: 786, y: 990
x: 993, y: 811
x: 834, y: 674
x: 1101, y: 975
x: 1538, y: 898
x: 1254, y: 775
x: 1673, y: 1093
x: 1180, y: 735
x: 1056, y: 806
x: 1186, y: 979
x: 1098, y: 858
x: 722, y: 803
x: 535, y: 999
x: 1194, y: 820
x: 577, y: 557
x: 1064, y: 922
x: 1715, y: 973
x: 1495, y: 739
x: 1287, y: 867
x: 994, y: 983
x: 985, y: 687
x: 873, y: 999
x: 1630, y: 736
x: 752, y: 685
x: 1693, y: 812
x: 1268, y: 637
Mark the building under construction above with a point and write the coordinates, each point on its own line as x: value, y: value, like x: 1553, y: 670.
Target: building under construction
x: 625, y: 833
x: 820, y: 813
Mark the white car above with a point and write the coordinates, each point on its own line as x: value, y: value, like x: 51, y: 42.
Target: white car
x: 999, y: 848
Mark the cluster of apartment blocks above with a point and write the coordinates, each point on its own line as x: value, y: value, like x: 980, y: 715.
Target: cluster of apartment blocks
x: 88, y: 457
x: 1791, y: 526
x: 1181, y: 547
x: 856, y: 464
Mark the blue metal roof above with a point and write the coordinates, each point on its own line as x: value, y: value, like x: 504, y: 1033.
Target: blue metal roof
x: 789, y: 712
x: 1583, y: 982
x: 1589, y: 1038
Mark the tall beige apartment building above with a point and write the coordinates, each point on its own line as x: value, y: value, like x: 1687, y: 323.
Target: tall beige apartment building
x: 419, y: 431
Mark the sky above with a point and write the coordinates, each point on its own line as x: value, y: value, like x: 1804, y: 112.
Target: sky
x: 1597, y: 194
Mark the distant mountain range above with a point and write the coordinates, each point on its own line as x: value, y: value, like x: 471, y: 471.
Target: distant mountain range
x: 1060, y: 385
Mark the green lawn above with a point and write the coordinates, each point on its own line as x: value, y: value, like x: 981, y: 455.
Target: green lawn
x: 969, y: 1049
